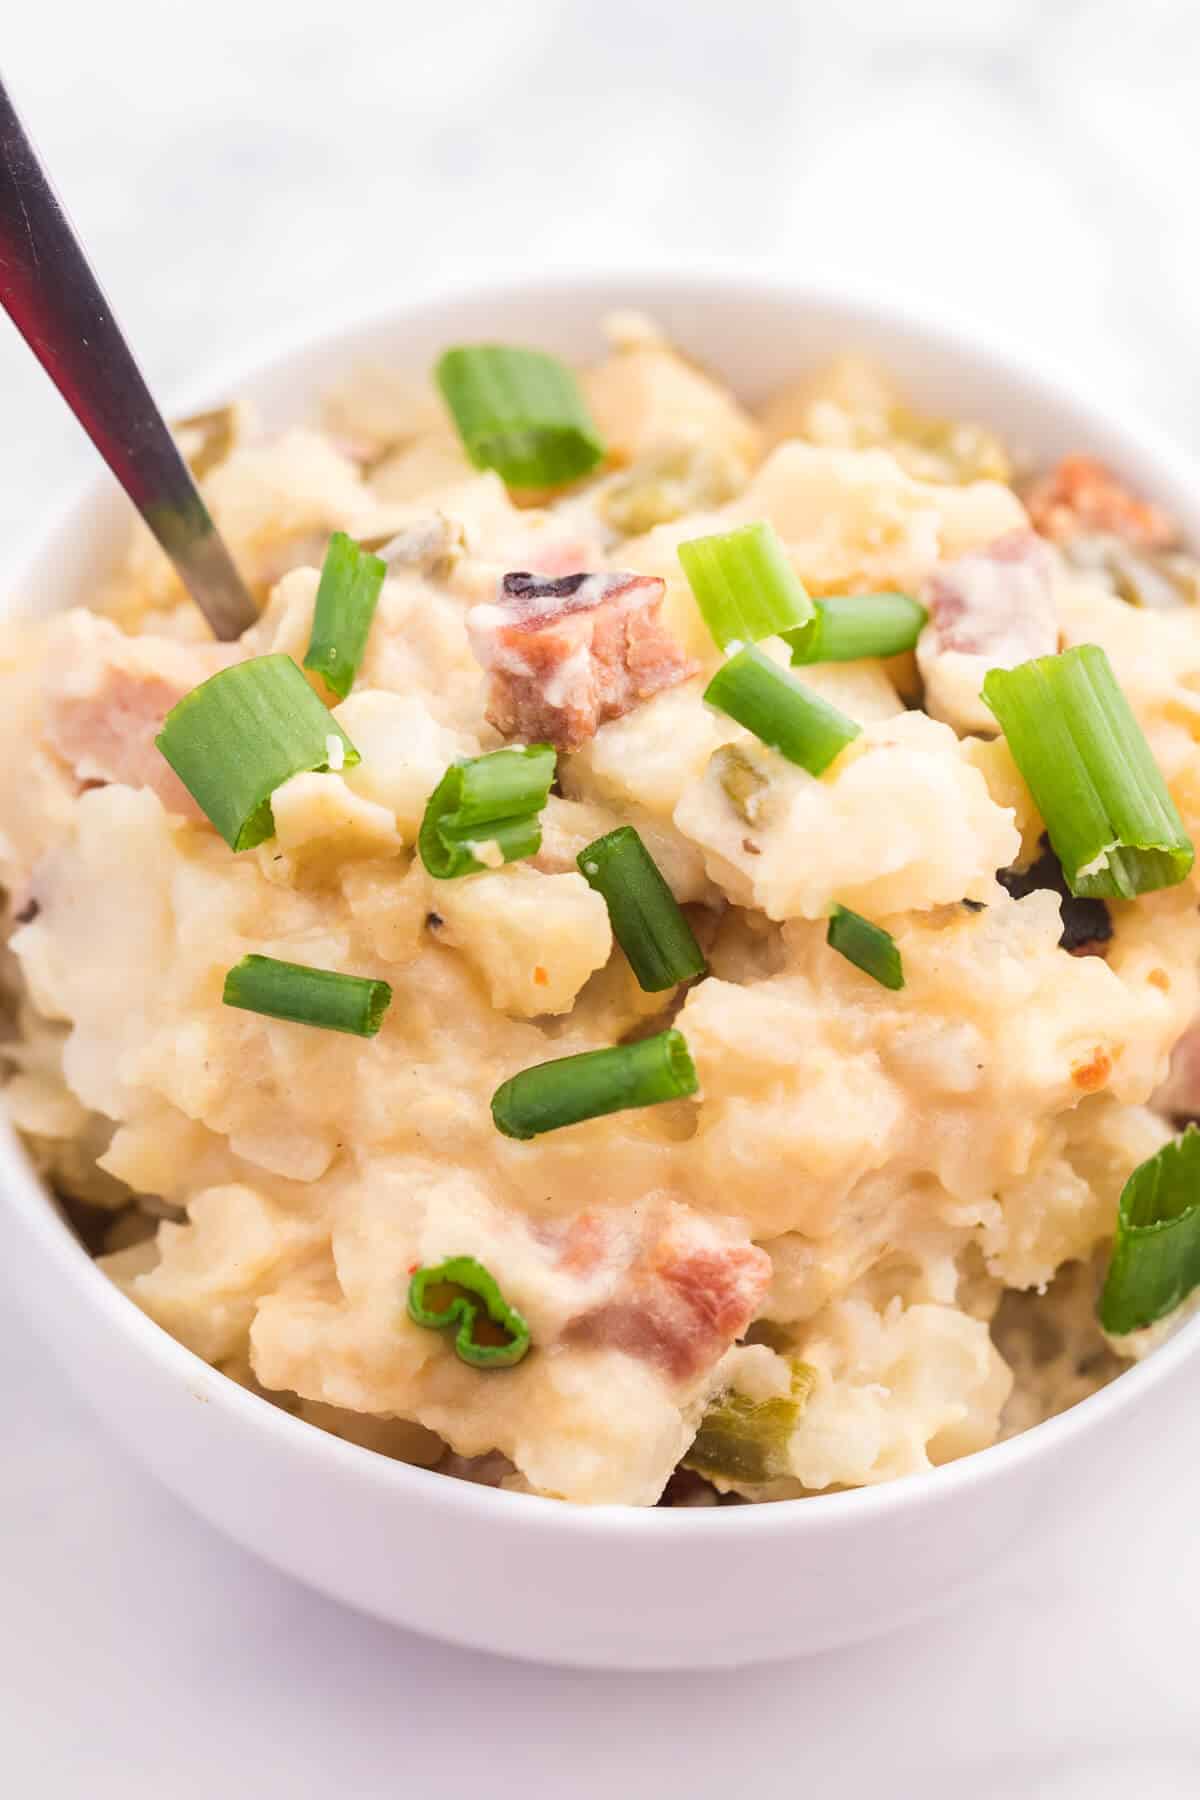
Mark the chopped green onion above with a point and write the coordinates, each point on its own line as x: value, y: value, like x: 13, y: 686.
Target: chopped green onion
x: 490, y: 1333
x: 241, y: 734
x: 1072, y: 733
x: 573, y: 1088
x: 848, y: 627
x: 747, y: 1440
x: 869, y: 947
x: 1156, y: 1256
x: 645, y: 915
x: 346, y: 599
x: 521, y: 413
x: 785, y: 716
x: 744, y: 585
x: 487, y: 801
x: 285, y: 990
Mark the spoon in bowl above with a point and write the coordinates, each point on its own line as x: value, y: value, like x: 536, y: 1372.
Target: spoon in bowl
x: 49, y: 291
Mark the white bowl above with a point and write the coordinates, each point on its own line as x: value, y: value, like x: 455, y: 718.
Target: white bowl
x: 603, y: 1586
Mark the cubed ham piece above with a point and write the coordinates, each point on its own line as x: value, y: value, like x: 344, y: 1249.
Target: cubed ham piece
x: 567, y: 654
x: 1081, y: 496
x: 686, y: 1295
x: 990, y: 609
x: 106, y: 696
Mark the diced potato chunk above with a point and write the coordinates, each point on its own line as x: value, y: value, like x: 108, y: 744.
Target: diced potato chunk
x: 852, y: 404
x: 321, y: 822
x: 533, y: 938
x: 903, y: 819
x: 405, y: 753
x: 647, y: 393
x: 212, y: 1271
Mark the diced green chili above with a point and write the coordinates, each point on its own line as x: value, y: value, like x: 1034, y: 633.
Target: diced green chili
x: 747, y: 1440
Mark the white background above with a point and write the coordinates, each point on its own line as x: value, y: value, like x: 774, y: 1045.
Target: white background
x: 245, y: 164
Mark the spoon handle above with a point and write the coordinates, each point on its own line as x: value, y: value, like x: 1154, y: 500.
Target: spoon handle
x: 49, y: 291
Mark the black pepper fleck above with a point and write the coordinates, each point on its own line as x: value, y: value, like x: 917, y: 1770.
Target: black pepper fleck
x: 28, y: 912
x: 434, y: 921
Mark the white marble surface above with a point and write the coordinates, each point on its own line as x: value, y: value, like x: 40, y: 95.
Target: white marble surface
x: 1027, y: 161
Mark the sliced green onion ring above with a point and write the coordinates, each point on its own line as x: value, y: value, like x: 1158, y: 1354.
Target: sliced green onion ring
x: 573, y: 1088
x: 493, y: 800
x: 241, y: 734
x: 346, y: 600
x: 1156, y: 1254
x: 519, y: 412
x: 785, y: 716
x: 323, y: 997
x: 744, y: 585
x: 869, y: 947
x: 646, y: 918
x: 1073, y: 735
x: 849, y: 627
x: 461, y: 1293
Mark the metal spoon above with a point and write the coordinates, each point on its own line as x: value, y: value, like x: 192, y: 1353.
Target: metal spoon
x: 50, y: 293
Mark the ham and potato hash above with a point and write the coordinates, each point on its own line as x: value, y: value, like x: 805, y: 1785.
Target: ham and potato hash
x: 831, y: 1184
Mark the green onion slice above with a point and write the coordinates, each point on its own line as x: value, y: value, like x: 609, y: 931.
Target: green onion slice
x: 1110, y: 819
x: 521, y: 413
x: 1156, y: 1255
x: 785, y: 716
x: 646, y: 918
x: 241, y: 734
x: 747, y: 1440
x: 495, y: 799
x: 869, y: 947
x: 848, y: 627
x: 744, y: 585
x: 573, y: 1088
x: 346, y: 599
x: 286, y: 990
x: 460, y: 1292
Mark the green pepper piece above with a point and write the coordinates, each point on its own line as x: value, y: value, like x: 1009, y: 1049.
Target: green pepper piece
x: 491, y: 1334
x: 746, y: 1440
x: 742, y: 780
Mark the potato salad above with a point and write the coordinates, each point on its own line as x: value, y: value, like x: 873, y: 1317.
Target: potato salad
x: 662, y: 967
